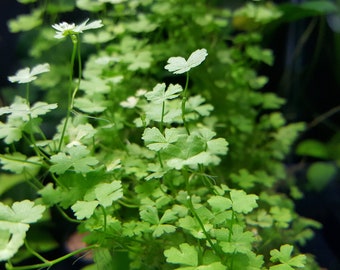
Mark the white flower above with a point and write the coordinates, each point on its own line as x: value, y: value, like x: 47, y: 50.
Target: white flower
x: 179, y: 65
x: 65, y: 29
x: 130, y: 102
x: 26, y: 75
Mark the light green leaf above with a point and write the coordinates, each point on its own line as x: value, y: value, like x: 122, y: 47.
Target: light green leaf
x: 77, y: 157
x: 158, y: 95
x: 242, y: 202
x: 219, y: 203
x: 12, y: 237
x: 155, y: 140
x: 12, y: 130
x: 168, y: 216
x: 196, y: 105
x: 21, y: 212
x: 185, y: 255
x: 26, y: 212
x: 138, y: 60
x: 89, y: 5
x: 25, y: 22
x: 88, y: 105
x: 282, y: 216
x: 107, y: 193
x: 150, y: 214
x: 41, y: 108
x: 19, y: 163
x: 217, y: 146
x: 284, y: 257
x: 162, y: 229
x: 179, y: 65
x: 83, y: 209
x: 259, y: 54
x: 50, y: 196
x: 240, y: 242
x: 14, y: 224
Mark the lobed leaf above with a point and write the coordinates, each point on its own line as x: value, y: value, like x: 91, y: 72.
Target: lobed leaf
x: 185, y: 255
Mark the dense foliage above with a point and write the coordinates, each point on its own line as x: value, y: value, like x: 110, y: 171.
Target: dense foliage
x: 147, y: 127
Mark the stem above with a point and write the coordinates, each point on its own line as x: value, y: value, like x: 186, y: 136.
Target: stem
x: 20, y: 160
x: 28, y: 94
x: 193, y: 211
x: 104, y: 213
x: 33, y: 252
x: 50, y: 263
x: 184, y: 100
x: 79, y: 75
x: 69, y: 98
x: 30, y: 121
x: 162, y: 117
x: 62, y: 212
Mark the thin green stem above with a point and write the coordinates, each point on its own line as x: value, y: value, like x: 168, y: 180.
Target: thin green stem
x: 194, y: 213
x: 69, y: 99
x: 34, y: 253
x: 79, y: 75
x: 184, y: 100
x: 50, y: 263
x: 162, y: 117
x: 20, y: 160
x: 28, y: 94
x: 105, y: 217
x: 62, y: 212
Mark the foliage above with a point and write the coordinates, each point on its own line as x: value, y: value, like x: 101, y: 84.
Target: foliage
x: 176, y: 171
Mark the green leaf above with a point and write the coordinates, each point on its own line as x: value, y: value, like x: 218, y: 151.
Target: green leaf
x: 22, y: 212
x: 83, y: 209
x: 138, y: 60
x: 281, y: 216
x: 95, y: 105
x: 312, y: 148
x: 190, y: 224
x: 155, y: 140
x: 196, y: 104
x: 150, y: 214
x: 20, y: 109
x: 50, y: 196
x: 107, y: 193
x: 319, y: 174
x: 284, y: 257
x: 258, y: 54
x: 242, y: 202
x: 77, y: 157
x: 219, y: 203
x: 179, y: 65
x: 240, y: 241
x: 158, y: 95
x: 162, y: 229
x: 19, y: 163
x: 41, y: 108
x: 89, y: 5
x: 185, y: 255
x: 26, y: 22
x: 12, y: 237
x: 12, y: 130
x: 14, y: 224
x: 168, y: 216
